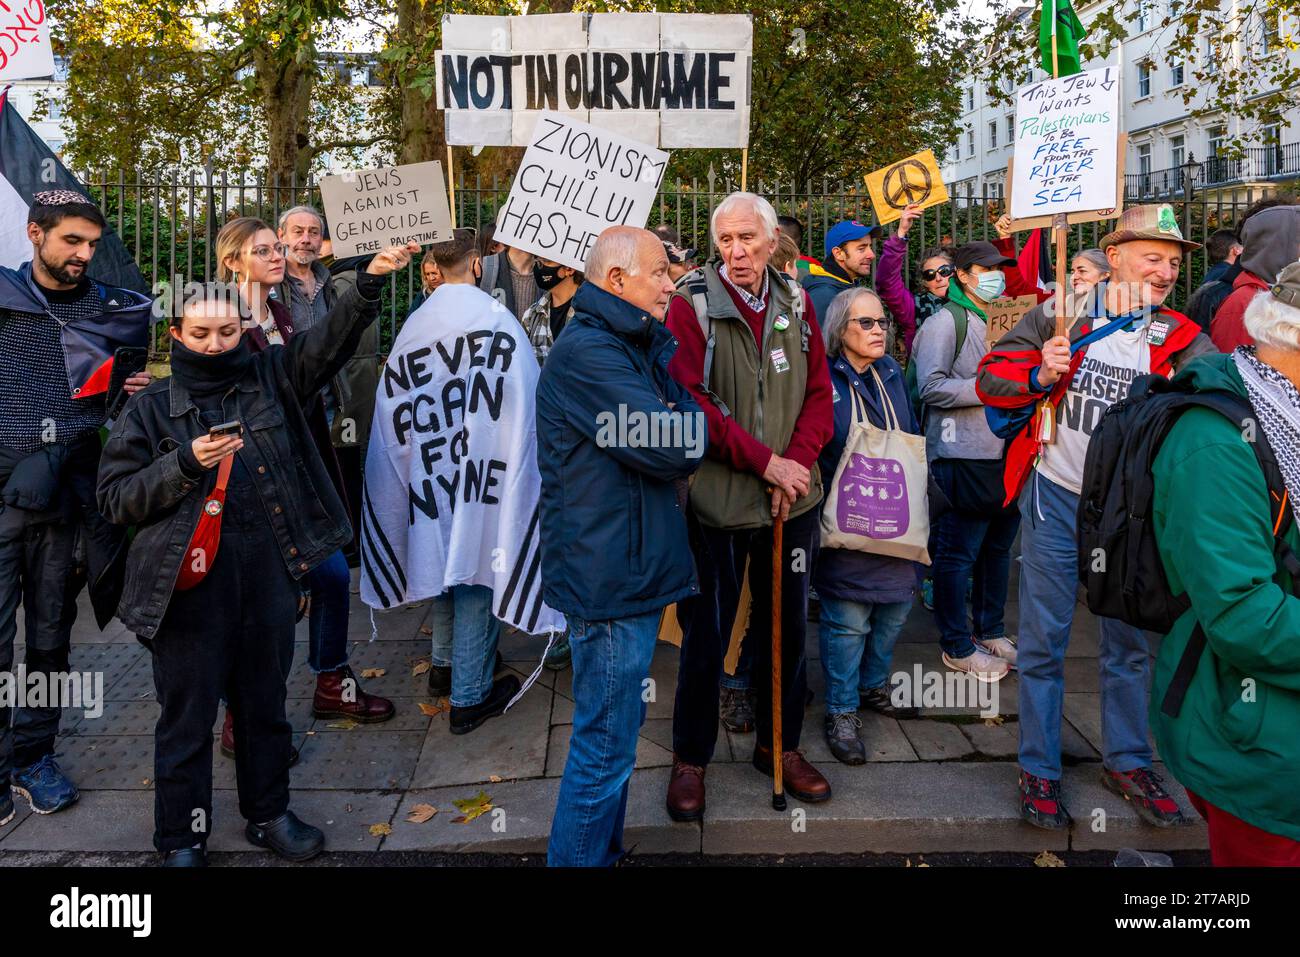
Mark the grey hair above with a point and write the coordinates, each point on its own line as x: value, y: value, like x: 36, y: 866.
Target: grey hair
x: 761, y: 208
x: 614, y: 248
x: 1272, y: 322
x: 1096, y: 257
x: 839, y: 314
x: 294, y: 211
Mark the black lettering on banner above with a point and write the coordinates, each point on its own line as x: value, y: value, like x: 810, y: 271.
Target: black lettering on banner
x: 717, y: 81
x: 614, y: 70
x: 455, y: 81
x: 548, y: 82
x: 573, y: 80
x: 645, y: 92
x: 688, y: 87
x: 482, y: 71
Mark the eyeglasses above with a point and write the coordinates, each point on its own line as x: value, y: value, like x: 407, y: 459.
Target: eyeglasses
x: 930, y: 275
x: 267, y: 253
x: 868, y: 323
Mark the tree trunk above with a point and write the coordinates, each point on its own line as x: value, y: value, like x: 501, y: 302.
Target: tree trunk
x: 286, y: 88
x: 423, y: 135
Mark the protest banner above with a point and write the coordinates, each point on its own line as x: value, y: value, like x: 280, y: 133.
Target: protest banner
x: 1074, y: 219
x: 371, y: 209
x: 25, y: 49
x: 575, y: 181
x: 671, y: 80
x: 899, y: 185
x: 1004, y: 313
x: 1067, y: 137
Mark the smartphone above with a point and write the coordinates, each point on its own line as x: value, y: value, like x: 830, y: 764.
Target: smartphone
x: 233, y: 427
x: 127, y: 361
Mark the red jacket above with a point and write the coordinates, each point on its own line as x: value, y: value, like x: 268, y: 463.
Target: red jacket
x: 1003, y: 378
x: 1227, y: 329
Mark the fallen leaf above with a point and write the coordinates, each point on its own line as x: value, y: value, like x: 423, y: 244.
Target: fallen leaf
x: 348, y: 808
x: 995, y: 722
x: 380, y: 830
x: 421, y: 813
x: 311, y: 732
x: 471, y: 808
x: 495, y: 778
x: 347, y: 724
x: 1048, y: 859
x: 145, y: 782
x: 373, y: 672
x: 429, y: 710
x: 421, y: 667
x: 426, y: 630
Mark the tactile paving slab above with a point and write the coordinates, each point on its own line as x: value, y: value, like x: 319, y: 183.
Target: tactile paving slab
x: 345, y: 759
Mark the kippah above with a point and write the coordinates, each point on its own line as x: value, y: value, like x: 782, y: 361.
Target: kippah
x: 60, y: 197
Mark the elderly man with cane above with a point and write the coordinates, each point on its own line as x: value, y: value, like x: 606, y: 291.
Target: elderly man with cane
x: 752, y: 356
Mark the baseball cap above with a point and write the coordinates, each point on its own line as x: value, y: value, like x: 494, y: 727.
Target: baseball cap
x: 1287, y: 287
x: 1147, y: 222
x: 846, y: 231
x: 677, y: 255
x: 980, y: 254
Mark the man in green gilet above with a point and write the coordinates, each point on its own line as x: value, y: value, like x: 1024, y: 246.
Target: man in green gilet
x: 753, y: 357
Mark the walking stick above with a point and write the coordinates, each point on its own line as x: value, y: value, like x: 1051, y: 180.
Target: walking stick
x: 778, y: 565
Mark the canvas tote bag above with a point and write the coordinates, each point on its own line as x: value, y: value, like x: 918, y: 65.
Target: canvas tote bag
x: 877, y: 502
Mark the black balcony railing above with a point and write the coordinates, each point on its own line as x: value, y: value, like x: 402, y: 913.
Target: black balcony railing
x: 1256, y: 164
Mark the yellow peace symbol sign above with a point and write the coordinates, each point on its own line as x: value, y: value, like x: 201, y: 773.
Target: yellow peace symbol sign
x: 906, y: 183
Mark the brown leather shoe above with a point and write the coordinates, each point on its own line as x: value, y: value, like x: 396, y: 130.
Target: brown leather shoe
x: 686, y: 792
x: 339, y: 695
x: 799, y: 778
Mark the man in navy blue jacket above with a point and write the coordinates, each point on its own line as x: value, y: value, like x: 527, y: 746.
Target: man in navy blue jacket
x: 617, y: 439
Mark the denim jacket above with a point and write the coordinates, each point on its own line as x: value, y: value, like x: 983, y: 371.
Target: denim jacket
x: 142, y: 483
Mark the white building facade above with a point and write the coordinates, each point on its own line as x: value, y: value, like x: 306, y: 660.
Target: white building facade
x: 1165, y: 143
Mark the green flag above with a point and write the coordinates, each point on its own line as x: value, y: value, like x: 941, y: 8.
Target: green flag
x: 1069, y: 31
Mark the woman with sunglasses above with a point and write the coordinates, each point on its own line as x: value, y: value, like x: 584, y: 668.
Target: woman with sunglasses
x: 218, y: 471
x: 865, y: 598
x: 966, y: 460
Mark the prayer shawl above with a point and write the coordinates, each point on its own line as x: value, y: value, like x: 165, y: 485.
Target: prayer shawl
x: 452, y: 489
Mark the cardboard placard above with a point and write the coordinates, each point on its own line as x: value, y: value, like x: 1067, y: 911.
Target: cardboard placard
x: 915, y: 179
x: 1067, y: 133
x: 1073, y: 219
x: 673, y: 80
x: 369, y: 210
x: 25, y: 49
x: 575, y: 181
x: 1004, y: 313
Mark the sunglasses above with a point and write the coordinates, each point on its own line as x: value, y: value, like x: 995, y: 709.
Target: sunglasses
x: 930, y: 275
x: 868, y: 323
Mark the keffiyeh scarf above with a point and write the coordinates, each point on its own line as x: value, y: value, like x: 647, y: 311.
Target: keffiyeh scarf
x: 1276, y: 402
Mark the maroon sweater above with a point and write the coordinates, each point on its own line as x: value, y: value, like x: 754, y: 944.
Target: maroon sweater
x: 727, y: 440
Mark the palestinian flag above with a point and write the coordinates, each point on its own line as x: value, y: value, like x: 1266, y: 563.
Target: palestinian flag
x: 1057, y: 22
x: 1035, y: 260
x: 28, y: 167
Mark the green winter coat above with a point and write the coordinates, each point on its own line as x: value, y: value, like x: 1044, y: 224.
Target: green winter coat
x: 1236, y: 741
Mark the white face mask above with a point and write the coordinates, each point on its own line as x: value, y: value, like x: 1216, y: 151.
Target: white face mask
x: 991, y: 285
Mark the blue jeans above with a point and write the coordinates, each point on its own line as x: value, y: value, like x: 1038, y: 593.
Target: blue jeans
x: 1049, y: 584
x: 327, y: 622
x: 441, y: 620
x: 857, y: 645
x: 611, y: 660
x: 965, y: 545
x: 474, y: 634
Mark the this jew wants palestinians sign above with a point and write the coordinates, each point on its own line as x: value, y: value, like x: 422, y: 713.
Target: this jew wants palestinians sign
x: 671, y: 80
x: 574, y: 182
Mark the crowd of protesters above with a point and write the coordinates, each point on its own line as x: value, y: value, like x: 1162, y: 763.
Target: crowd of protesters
x: 241, y: 477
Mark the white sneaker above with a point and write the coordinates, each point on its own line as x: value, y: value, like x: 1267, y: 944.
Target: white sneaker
x: 1004, y: 648
x: 983, y: 666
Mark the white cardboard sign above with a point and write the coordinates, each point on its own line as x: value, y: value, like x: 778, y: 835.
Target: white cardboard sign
x: 671, y: 80
x: 25, y: 49
x: 369, y: 210
x: 575, y: 181
x: 1066, y: 137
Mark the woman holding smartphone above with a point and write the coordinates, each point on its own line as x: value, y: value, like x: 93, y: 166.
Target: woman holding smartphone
x: 233, y: 506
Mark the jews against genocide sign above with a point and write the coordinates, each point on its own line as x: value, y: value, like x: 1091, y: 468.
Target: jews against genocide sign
x: 899, y: 185
x: 1067, y: 133
x: 369, y: 210
x: 25, y: 49
x: 672, y: 80
x: 1004, y: 313
x: 574, y: 182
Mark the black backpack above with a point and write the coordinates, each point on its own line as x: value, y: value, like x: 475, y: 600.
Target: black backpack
x: 1119, y: 563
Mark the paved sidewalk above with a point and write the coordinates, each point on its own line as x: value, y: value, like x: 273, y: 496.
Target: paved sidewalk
x: 945, y: 782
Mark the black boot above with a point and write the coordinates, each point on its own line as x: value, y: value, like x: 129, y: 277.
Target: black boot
x: 287, y: 836
x: 465, y: 720
x: 186, y: 857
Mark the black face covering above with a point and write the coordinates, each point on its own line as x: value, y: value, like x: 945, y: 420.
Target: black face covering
x: 547, y: 277
x: 205, y: 374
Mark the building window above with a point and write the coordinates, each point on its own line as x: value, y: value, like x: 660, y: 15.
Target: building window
x: 970, y: 98
x: 1272, y: 137
x: 1144, y: 168
x: 1176, y: 73
x: 1143, y: 16
x: 1011, y: 129
x: 970, y: 142
x: 55, y: 109
x: 1211, y: 56
x: 1269, y: 41
x: 1177, y: 151
x: 60, y: 69
x: 1216, y: 168
x: 1144, y: 79
x: 1218, y: 137
x: 993, y: 134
